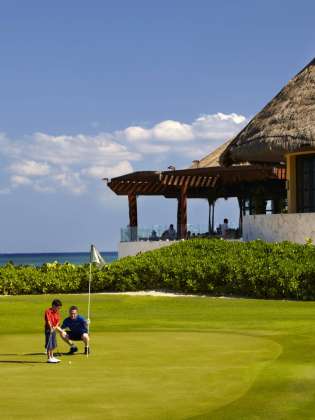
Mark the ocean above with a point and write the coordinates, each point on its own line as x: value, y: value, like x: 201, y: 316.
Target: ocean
x: 39, y: 259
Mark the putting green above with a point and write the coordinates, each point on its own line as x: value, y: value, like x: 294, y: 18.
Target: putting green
x: 162, y: 358
x: 132, y: 375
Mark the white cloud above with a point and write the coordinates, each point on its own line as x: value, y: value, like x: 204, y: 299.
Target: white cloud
x: 192, y: 152
x: 70, y: 150
x: 43, y: 188
x: 71, y: 181
x: 66, y: 162
x: 20, y: 180
x: 152, y: 149
x: 5, y: 191
x: 136, y: 133
x: 238, y: 119
x: 168, y: 130
x: 217, y: 127
x: 48, y: 162
x: 172, y: 131
x: 30, y: 168
x: 99, y: 172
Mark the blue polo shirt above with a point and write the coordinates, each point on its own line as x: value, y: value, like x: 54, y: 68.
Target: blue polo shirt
x: 76, y: 326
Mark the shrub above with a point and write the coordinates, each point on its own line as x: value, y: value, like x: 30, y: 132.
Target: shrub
x: 252, y: 269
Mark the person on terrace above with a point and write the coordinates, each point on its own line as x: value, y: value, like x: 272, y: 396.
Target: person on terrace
x: 225, y: 228
x: 171, y: 233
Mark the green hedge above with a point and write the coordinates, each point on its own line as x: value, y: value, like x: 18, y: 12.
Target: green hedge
x: 256, y: 269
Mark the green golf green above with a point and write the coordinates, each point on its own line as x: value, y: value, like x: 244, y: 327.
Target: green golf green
x: 162, y: 358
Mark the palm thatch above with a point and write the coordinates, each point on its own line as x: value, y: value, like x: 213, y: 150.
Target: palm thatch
x: 212, y: 160
x: 286, y: 124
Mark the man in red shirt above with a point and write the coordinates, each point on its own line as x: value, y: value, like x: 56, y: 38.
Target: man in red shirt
x: 52, y: 321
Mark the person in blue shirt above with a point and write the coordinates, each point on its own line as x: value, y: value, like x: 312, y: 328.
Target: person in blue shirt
x: 75, y: 328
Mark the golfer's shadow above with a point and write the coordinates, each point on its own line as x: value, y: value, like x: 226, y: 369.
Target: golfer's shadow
x: 34, y: 354
x: 22, y: 354
x: 10, y: 354
x: 22, y: 362
x: 58, y: 353
x: 28, y: 362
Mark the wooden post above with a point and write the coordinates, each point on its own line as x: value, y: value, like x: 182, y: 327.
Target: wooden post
x: 210, y: 227
x: 212, y: 223
x: 182, y: 213
x: 241, y: 207
x: 133, y: 216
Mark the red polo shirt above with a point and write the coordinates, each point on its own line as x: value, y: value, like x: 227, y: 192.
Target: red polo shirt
x: 52, y: 318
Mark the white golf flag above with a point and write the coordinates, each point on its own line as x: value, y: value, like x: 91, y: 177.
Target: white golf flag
x: 96, y: 257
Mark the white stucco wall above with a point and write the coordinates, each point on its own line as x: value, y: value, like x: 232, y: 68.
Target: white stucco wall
x: 293, y: 227
x: 132, y: 248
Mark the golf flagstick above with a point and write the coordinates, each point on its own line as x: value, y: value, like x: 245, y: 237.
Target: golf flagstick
x: 89, y: 300
x: 95, y: 257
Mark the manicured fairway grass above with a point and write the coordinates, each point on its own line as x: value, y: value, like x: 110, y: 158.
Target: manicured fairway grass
x: 162, y: 358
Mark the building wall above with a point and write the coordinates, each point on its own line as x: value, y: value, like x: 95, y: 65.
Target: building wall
x: 294, y: 227
x: 291, y: 182
x: 291, y: 179
x: 126, y: 249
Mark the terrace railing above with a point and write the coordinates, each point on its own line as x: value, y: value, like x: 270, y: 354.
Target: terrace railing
x: 159, y: 233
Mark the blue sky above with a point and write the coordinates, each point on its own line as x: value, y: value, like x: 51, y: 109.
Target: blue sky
x: 101, y: 88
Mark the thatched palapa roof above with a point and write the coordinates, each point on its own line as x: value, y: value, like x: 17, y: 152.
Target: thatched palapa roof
x: 286, y: 124
x: 212, y: 160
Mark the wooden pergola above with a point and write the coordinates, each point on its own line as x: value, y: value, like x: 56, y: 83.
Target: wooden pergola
x: 210, y: 183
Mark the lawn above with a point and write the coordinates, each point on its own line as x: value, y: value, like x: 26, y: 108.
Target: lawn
x: 162, y: 358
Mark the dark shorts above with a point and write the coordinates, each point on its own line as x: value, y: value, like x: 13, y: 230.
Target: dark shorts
x: 50, y: 340
x: 75, y: 336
